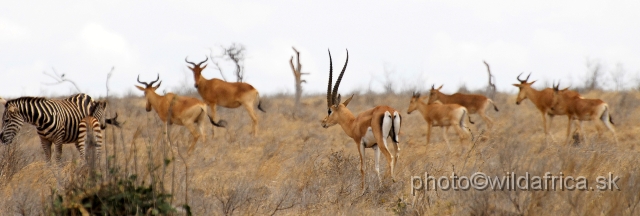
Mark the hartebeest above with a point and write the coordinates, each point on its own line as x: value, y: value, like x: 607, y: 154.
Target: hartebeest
x: 543, y: 100
x: 217, y: 92
x: 185, y: 111
x: 581, y: 109
x: 441, y: 115
x: 475, y: 104
x: 369, y: 129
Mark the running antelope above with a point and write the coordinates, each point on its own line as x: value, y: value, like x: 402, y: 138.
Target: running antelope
x: 185, y: 111
x: 369, y: 129
x: 474, y: 103
x: 217, y: 92
x: 57, y: 120
x: 581, y: 109
x: 441, y: 115
x: 543, y: 100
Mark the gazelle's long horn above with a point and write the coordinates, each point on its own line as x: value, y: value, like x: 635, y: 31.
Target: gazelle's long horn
x: 155, y: 80
x: 143, y: 83
x: 185, y: 59
x: 205, y: 60
x: 335, y: 88
x: 329, y: 95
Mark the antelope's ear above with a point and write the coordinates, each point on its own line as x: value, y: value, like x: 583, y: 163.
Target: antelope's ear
x: 189, y: 67
x: 517, y: 85
x: 531, y: 83
x: 440, y: 87
x: 564, y: 89
x: 140, y: 87
x: 203, y: 67
x: 347, y: 101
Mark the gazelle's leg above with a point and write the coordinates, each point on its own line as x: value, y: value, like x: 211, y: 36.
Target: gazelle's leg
x: 252, y: 114
x: 376, y: 150
x: 429, y: 125
x: 361, y: 152
x: 444, y: 136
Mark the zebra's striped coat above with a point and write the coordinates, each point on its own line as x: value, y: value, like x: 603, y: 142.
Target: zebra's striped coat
x: 56, y: 120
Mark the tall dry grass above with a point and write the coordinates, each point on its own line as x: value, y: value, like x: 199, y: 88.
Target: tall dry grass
x: 296, y: 167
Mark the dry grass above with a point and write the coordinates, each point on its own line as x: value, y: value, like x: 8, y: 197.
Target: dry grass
x: 296, y: 167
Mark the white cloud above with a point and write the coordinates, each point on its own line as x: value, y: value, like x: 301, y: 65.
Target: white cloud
x: 102, y: 41
x: 10, y: 32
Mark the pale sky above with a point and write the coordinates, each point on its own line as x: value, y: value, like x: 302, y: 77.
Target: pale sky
x: 423, y: 42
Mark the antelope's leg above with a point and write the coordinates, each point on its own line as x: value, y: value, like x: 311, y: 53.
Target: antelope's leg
x: 569, y: 122
x: 252, y: 114
x: 212, y: 114
x: 486, y: 118
x: 194, y: 133
x: 584, y: 136
x: 376, y: 151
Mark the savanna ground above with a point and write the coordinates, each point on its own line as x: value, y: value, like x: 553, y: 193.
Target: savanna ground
x: 296, y: 167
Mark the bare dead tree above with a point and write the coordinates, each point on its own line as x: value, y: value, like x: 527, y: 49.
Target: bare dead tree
x: 618, y: 76
x: 491, y: 86
x: 297, y: 73
x: 216, y: 63
x: 234, y: 53
x: 594, y: 74
x: 59, y: 78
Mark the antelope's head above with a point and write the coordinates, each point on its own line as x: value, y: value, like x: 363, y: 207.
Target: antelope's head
x: 560, y: 96
x: 11, y: 123
x: 413, y: 104
x: 334, y: 107
x: 197, y: 70
x: 148, y: 89
x: 434, y: 94
x: 523, y: 86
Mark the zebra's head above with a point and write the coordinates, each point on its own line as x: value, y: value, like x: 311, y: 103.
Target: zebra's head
x: 11, y: 123
x: 98, y: 110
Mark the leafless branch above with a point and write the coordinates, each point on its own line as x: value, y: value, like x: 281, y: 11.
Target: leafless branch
x: 59, y: 78
x: 216, y: 63
x: 297, y: 74
x: 491, y: 86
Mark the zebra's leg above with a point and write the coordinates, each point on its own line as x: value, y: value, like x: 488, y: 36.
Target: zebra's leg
x: 81, y: 149
x: 46, y: 146
x: 58, y: 152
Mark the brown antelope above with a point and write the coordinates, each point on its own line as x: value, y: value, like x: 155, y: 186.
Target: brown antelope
x: 185, y: 111
x: 581, y: 109
x: 369, y: 129
x: 475, y: 104
x: 441, y: 115
x: 217, y: 92
x: 543, y: 100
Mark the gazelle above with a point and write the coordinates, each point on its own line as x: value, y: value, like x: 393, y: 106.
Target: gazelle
x: 217, y: 92
x: 441, y: 115
x: 185, y: 111
x: 369, y: 129
x: 581, y: 109
x: 474, y: 103
x: 543, y: 100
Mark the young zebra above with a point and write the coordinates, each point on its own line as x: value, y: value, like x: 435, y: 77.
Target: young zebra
x: 90, y: 131
x: 56, y: 120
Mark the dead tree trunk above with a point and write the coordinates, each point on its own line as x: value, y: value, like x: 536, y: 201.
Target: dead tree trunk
x: 491, y: 86
x: 297, y: 73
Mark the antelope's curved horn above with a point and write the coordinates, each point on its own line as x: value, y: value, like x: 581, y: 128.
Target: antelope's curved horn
x: 527, y: 79
x: 143, y: 83
x: 329, y: 95
x: 521, y: 81
x: 433, y: 86
x: 155, y: 80
x: 185, y: 59
x: 205, y: 60
x: 335, y: 88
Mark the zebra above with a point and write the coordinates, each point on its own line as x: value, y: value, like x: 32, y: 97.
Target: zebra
x: 57, y: 120
x: 90, y: 130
